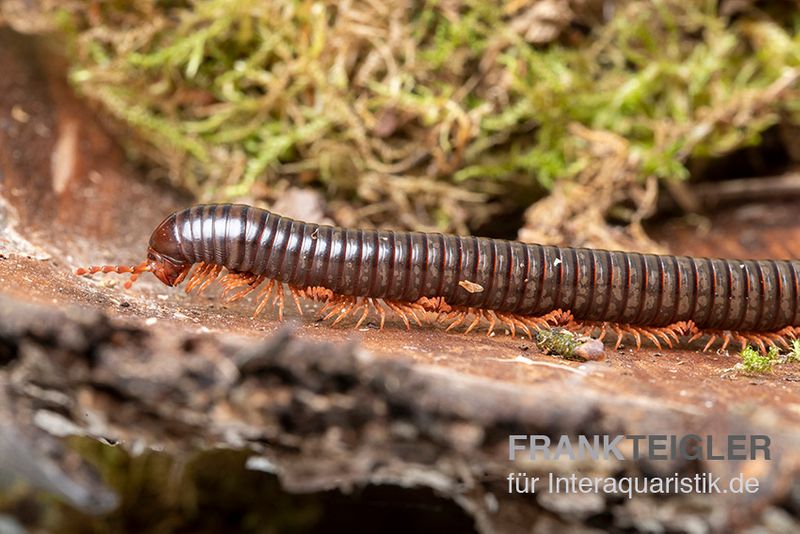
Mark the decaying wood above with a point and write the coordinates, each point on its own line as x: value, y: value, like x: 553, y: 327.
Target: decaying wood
x: 326, y: 415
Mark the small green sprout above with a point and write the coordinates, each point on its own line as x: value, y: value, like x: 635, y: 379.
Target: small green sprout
x: 794, y: 353
x: 754, y: 362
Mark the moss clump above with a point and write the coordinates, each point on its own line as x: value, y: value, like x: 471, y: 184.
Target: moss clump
x: 569, y: 346
x: 435, y: 114
x: 794, y: 353
x: 753, y: 362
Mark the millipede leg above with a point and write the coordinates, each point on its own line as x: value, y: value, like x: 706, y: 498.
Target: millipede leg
x: 197, y: 276
x: 473, y: 324
x: 263, y: 297
x: 603, y: 332
x: 620, y: 335
x: 346, y: 310
x: 492, y: 318
x: 658, y: 336
x: 458, y: 318
x: 341, y: 305
x: 234, y: 280
x: 661, y: 337
x: 251, y: 286
x: 761, y: 340
x: 674, y: 331
x: 364, y: 303
x: 726, y: 339
x: 335, y: 305
x: 554, y: 318
x: 637, y: 335
x: 512, y: 323
x: 458, y: 315
x: 413, y: 308
x: 296, y: 294
x: 319, y: 294
x: 279, y: 299
x: 404, y: 309
x: 381, y: 311
x: 399, y: 311
x: 213, y: 273
x: 432, y: 304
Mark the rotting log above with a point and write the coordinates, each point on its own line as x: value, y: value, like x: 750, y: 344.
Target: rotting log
x: 325, y: 416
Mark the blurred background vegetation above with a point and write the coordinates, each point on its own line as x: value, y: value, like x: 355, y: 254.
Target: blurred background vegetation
x: 442, y: 115
x: 551, y: 120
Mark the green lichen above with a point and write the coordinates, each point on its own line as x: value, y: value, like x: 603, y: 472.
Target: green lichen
x: 428, y: 114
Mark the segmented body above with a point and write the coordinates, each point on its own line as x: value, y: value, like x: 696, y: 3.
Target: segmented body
x: 489, y: 274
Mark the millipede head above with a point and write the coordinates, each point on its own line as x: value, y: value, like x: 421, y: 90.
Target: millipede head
x: 167, y: 269
x: 165, y: 258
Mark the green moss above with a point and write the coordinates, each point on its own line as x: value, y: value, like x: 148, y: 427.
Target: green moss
x: 567, y: 345
x: 756, y: 363
x: 794, y: 354
x: 409, y: 107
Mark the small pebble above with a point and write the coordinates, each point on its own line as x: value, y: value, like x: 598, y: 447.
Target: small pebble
x: 151, y: 321
x: 20, y: 115
x: 591, y: 350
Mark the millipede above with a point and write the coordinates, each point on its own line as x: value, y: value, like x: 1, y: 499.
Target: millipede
x: 466, y: 281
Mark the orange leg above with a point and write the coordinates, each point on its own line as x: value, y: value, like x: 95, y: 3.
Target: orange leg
x: 233, y: 280
x: 365, y: 303
x: 458, y: 315
x: 198, y: 275
x: 344, y: 306
x: 263, y: 297
x: 213, y: 274
x: 553, y: 318
x: 251, y: 285
x: 319, y: 294
x: 414, y: 308
x: 296, y: 294
x: 348, y: 304
x: 762, y: 340
x: 474, y: 323
x: 399, y: 311
x: 492, y: 318
x: 513, y: 322
x: 336, y: 304
x: 279, y: 299
x: 620, y: 335
x: 381, y: 311
x: 658, y: 336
